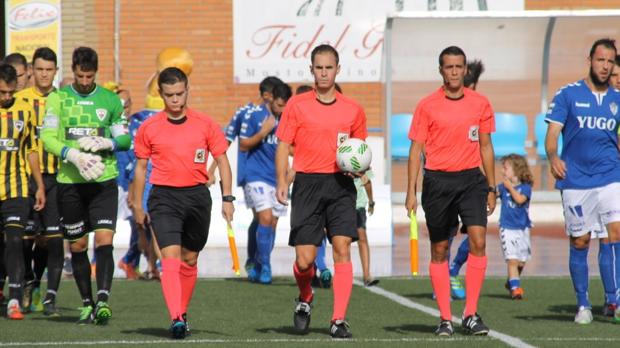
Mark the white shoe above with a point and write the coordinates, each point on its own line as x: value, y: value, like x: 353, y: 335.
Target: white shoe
x: 583, y: 316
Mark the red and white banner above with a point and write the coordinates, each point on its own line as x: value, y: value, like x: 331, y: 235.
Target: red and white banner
x: 276, y: 37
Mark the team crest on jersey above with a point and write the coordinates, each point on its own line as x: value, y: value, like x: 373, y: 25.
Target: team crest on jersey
x: 614, y: 108
x: 101, y: 114
x: 200, y: 156
x: 18, y: 124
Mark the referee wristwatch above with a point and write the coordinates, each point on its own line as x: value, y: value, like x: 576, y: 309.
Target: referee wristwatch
x: 228, y: 198
x: 493, y: 189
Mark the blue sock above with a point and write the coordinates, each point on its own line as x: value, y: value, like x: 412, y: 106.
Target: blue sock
x: 606, y: 267
x: 263, y: 244
x: 320, y: 257
x: 578, y: 264
x: 514, y: 283
x: 460, y: 258
x: 616, y: 261
x: 252, y: 240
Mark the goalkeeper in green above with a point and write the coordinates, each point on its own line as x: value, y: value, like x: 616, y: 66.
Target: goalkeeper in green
x: 84, y: 124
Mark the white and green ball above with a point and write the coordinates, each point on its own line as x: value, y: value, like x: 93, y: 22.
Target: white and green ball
x: 353, y: 156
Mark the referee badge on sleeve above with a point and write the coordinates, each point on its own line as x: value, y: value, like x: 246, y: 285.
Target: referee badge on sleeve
x: 473, y: 133
x: 342, y: 137
x: 200, y: 156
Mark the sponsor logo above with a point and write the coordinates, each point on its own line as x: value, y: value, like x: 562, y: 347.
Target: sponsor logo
x: 582, y: 105
x: 18, y: 124
x: 13, y: 218
x: 576, y: 227
x: 474, y: 134
x: 75, y: 133
x: 85, y: 102
x: 101, y: 114
x: 613, y: 107
x: 576, y: 210
x: 593, y: 122
x: 50, y: 121
x: 104, y: 222
x: 200, y: 156
x: 8, y: 144
x: 33, y: 15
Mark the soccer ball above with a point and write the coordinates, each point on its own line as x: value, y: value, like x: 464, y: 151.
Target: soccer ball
x: 353, y: 156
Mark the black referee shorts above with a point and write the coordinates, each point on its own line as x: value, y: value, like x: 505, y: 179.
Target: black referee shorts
x: 45, y: 222
x: 448, y: 195
x: 180, y: 216
x: 87, y: 207
x: 322, y: 201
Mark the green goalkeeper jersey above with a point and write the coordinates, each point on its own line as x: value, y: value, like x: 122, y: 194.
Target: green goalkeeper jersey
x: 71, y: 116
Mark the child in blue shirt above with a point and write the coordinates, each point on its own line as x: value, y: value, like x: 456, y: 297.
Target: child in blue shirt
x: 515, y: 193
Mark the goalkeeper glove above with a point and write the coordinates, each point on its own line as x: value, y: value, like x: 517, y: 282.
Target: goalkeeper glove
x: 90, y: 166
x: 95, y: 144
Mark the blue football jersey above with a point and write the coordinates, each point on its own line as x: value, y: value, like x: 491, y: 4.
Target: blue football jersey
x: 134, y: 123
x: 590, y: 134
x: 260, y: 162
x: 513, y: 215
x: 233, y: 130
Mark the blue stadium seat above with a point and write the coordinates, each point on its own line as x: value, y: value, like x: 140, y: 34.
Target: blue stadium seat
x: 510, y: 134
x: 540, y: 130
x: 399, y: 132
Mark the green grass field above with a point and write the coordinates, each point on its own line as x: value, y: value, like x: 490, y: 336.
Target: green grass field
x: 234, y: 312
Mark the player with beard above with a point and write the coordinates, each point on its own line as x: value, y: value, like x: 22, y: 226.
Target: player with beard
x: 588, y: 170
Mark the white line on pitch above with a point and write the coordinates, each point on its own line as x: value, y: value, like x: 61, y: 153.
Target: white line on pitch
x: 509, y: 340
x: 229, y: 341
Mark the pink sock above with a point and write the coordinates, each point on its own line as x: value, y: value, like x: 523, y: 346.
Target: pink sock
x: 440, y: 278
x: 343, y: 283
x: 171, y: 286
x: 188, y: 277
x: 474, y: 278
x: 304, y: 282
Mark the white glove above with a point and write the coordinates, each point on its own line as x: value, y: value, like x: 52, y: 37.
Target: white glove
x: 90, y: 166
x: 95, y: 144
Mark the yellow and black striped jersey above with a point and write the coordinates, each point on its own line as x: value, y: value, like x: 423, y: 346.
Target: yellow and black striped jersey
x: 17, y: 139
x: 47, y: 161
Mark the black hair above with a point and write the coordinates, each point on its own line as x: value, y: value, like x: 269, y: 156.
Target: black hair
x: 8, y: 74
x: 170, y: 76
x: 324, y: 49
x: 86, y: 58
x: 282, y: 91
x: 303, y: 89
x: 268, y: 83
x: 474, y: 70
x: 452, y: 51
x: 16, y: 59
x: 45, y: 53
x: 605, y: 42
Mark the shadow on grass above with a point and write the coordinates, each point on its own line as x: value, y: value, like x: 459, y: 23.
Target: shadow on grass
x: 276, y: 282
x: 165, y: 333
x: 549, y: 317
x: 425, y: 295
x: 289, y: 330
x: 499, y: 296
x: 60, y: 319
x: 563, y: 313
x: 409, y: 328
x: 569, y: 309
